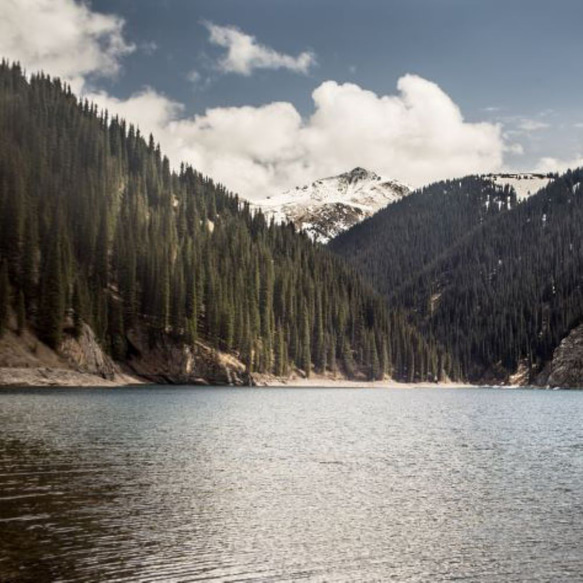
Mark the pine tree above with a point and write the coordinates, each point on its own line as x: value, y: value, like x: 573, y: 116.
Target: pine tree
x: 20, y: 313
x: 116, y: 333
x: 4, y: 297
x: 29, y: 270
x: 52, y: 303
x: 306, y: 357
x: 13, y: 217
x: 77, y: 311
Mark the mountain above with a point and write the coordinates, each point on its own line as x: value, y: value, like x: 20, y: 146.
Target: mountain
x: 331, y: 205
x: 108, y: 258
x: 496, y: 281
x: 406, y: 237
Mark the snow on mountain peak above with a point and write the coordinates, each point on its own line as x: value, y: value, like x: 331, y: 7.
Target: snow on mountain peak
x: 359, y: 173
x: 331, y: 205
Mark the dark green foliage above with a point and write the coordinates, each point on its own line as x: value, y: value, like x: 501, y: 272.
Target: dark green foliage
x: 20, y: 313
x: 497, y: 285
x: 51, y: 308
x: 4, y: 297
x: 98, y: 229
x: 395, y: 244
x: 77, y: 311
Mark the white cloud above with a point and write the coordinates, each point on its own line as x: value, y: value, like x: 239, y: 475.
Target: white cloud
x: 244, y: 53
x: 418, y: 136
x: 558, y: 165
x: 514, y: 148
x: 62, y: 37
x: 532, y: 125
x: 150, y: 110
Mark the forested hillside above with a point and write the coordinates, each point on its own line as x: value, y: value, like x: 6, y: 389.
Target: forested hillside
x: 97, y: 228
x: 498, y: 283
x: 399, y: 241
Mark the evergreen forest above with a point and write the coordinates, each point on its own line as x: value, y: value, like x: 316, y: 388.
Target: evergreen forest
x: 498, y: 282
x: 97, y: 228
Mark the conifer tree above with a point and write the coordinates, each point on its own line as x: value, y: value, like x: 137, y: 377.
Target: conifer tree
x: 52, y: 301
x: 306, y: 357
x: 20, y: 313
x: 4, y: 297
x: 77, y: 311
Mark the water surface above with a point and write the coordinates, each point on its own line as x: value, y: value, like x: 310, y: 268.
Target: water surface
x: 207, y: 484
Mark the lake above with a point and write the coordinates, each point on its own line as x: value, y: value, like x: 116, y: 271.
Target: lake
x: 219, y: 484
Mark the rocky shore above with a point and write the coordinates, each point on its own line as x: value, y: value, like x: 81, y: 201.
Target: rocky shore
x: 80, y: 362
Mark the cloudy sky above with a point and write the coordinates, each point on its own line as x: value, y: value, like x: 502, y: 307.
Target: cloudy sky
x: 268, y: 94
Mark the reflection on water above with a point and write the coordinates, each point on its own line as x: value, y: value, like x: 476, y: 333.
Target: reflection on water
x: 165, y: 484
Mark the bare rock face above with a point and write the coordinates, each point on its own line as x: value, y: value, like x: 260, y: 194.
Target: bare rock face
x: 166, y: 362
x: 84, y: 354
x: 81, y: 361
x: 566, y: 367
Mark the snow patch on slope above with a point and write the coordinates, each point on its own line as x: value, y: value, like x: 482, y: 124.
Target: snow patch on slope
x: 524, y: 184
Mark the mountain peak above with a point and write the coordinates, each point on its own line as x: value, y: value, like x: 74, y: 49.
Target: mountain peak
x: 360, y: 173
x: 328, y: 206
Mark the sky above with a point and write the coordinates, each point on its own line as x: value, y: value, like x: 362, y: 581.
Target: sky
x: 264, y: 95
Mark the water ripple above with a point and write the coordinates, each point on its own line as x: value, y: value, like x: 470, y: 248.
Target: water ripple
x: 176, y: 485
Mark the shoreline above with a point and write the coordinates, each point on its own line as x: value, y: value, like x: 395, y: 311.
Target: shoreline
x: 330, y: 383
x: 41, y: 377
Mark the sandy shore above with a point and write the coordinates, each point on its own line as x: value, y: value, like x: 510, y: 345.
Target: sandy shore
x: 326, y: 382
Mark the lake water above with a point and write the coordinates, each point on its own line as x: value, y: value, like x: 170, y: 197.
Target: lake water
x: 208, y: 484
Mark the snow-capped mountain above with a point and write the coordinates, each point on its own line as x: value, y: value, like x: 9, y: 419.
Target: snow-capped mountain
x: 525, y: 184
x: 331, y: 205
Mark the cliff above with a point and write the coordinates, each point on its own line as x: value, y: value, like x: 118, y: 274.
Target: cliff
x: 26, y: 361
x: 566, y: 366
x: 81, y: 361
x: 168, y: 362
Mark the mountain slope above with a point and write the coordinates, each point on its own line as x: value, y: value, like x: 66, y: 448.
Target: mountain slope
x: 331, y: 205
x: 503, y: 291
x: 402, y: 239
x: 168, y: 269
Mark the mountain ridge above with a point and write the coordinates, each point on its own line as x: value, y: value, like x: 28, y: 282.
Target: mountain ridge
x: 328, y: 206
